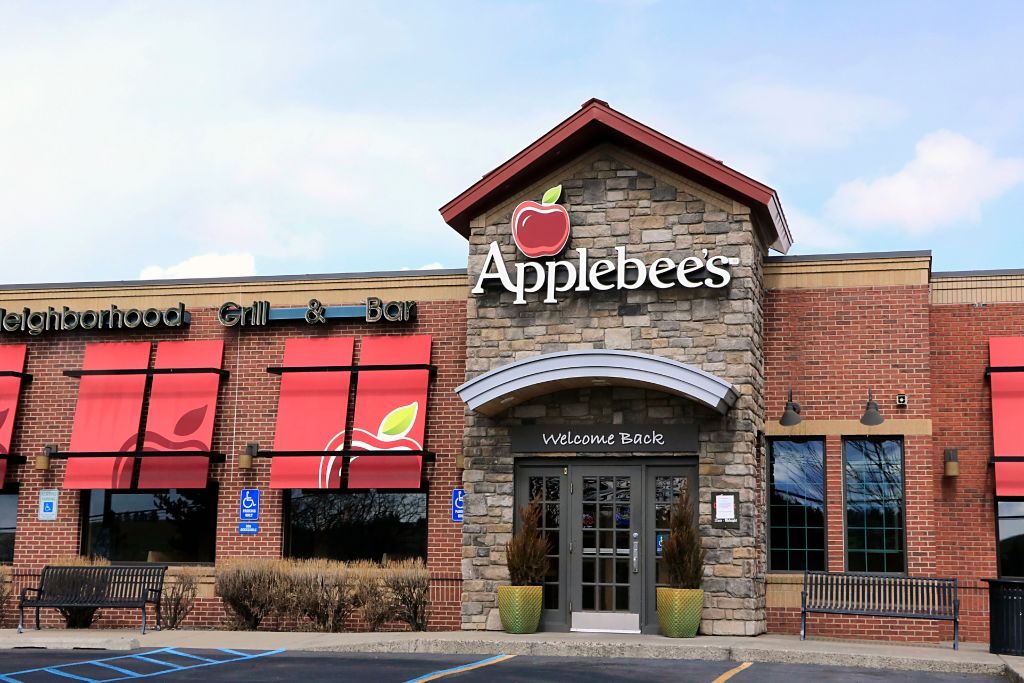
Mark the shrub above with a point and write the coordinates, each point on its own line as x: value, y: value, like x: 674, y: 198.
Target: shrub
x: 80, y: 617
x: 527, y: 551
x: 682, y: 551
x: 322, y: 591
x: 179, y: 595
x: 409, y: 584
x: 252, y: 589
x: 372, y: 595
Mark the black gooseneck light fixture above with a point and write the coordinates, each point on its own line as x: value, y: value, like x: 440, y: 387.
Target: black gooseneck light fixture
x: 871, y: 417
x: 791, y: 415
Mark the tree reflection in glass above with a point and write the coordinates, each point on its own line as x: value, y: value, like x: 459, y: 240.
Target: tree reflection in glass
x: 797, y: 513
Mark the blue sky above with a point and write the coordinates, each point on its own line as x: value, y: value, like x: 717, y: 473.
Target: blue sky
x: 183, y: 139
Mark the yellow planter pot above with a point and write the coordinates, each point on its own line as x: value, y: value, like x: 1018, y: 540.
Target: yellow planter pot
x: 679, y: 611
x: 519, y: 607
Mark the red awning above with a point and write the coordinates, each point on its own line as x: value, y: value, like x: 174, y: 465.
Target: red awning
x: 390, y: 413
x: 107, y: 416
x: 181, y: 413
x: 12, y: 359
x: 311, y: 414
x: 1009, y: 479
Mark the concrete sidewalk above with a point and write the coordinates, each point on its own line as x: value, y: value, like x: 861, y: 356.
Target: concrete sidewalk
x: 971, y: 658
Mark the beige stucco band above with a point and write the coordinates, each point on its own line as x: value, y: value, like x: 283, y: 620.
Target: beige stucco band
x: 913, y: 427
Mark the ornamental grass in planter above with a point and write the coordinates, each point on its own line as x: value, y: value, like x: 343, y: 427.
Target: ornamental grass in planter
x: 519, y: 605
x: 681, y: 603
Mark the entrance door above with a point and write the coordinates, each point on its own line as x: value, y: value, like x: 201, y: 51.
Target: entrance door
x: 607, y: 577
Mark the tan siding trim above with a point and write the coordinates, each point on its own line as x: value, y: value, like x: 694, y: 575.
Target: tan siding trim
x: 783, y: 590
x: 915, y: 427
x: 875, y: 272
x: 980, y: 289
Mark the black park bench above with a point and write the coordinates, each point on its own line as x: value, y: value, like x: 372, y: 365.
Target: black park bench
x: 880, y: 595
x: 129, y: 587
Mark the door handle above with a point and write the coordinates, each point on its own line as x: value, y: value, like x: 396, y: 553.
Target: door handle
x: 636, y: 552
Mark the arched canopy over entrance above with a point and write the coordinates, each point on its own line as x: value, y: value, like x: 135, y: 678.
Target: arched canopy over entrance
x: 496, y: 391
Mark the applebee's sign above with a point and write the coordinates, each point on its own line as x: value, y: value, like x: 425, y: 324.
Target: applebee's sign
x: 542, y: 230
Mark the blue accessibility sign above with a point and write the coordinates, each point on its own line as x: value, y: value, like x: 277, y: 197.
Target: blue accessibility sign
x: 249, y: 505
x: 660, y: 544
x: 248, y: 528
x: 458, y: 504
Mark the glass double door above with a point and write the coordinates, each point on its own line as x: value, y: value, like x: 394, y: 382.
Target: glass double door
x: 602, y: 522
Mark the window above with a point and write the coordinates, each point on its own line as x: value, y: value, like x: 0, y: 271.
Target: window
x: 157, y: 526
x: 873, y: 477
x: 356, y: 526
x: 1011, y: 538
x: 796, y: 518
x: 8, y: 517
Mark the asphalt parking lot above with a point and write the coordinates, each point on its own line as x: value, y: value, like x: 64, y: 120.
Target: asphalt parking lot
x: 246, y: 666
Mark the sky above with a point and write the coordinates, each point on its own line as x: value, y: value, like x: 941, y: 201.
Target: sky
x: 179, y: 139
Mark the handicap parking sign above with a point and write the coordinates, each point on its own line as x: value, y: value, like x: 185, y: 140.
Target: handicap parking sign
x: 458, y: 504
x: 249, y: 505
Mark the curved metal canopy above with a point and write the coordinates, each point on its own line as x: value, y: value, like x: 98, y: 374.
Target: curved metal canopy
x: 498, y: 390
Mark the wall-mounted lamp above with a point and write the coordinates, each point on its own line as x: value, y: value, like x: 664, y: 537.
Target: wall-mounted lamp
x: 791, y: 415
x: 871, y: 416
x: 951, y: 458
x: 43, y: 460
x: 245, y: 459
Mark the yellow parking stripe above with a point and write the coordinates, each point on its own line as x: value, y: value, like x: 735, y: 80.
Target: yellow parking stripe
x: 460, y: 669
x: 732, y: 672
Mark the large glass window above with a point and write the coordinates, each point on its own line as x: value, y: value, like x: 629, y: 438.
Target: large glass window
x: 159, y: 526
x: 873, y: 478
x: 356, y: 526
x: 1011, y: 538
x: 8, y: 517
x: 796, y: 517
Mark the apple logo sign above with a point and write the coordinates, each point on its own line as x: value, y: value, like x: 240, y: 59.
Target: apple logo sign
x: 541, y: 229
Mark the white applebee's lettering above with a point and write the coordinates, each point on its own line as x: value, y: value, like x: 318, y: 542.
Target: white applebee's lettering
x: 583, y: 275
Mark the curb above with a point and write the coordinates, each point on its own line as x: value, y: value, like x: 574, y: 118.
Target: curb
x: 65, y: 643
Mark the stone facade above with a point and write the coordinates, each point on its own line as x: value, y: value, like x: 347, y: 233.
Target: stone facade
x: 615, y: 199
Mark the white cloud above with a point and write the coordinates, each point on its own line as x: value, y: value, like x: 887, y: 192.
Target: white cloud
x: 947, y: 181
x: 204, y: 265
x: 436, y: 265
x: 812, y: 235
x: 812, y: 118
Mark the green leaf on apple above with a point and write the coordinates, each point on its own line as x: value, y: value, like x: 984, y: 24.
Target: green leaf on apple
x: 552, y: 195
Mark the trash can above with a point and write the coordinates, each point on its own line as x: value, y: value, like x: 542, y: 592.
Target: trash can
x: 1005, y: 616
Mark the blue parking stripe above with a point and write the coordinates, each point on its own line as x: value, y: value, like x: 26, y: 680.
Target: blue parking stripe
x: 172, y: 651
x: 233, y: 652
x: 158, y: 662
x: 444, y: 673
x: 115, y: 668
x: 57, y: 672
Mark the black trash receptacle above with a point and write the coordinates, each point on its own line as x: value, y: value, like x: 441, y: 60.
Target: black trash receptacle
x: 1006, y: 616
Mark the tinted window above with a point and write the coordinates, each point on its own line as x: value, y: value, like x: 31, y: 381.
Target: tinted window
x: 1011, y: 538
x: 8, y: 516
x: 873, y: 479
x: 356, y: 526
x: 796, y: 518
x: 164, y: 526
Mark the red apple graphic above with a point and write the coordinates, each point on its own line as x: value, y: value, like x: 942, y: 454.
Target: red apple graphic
x: 541, y: 229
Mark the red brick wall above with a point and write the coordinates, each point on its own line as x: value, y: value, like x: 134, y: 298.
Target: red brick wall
x: 246, y: 412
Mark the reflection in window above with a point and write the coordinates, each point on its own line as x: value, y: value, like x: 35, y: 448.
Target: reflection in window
x: 873, y: 477
x: 547, y: 492
x: 667, y: 490
x: 1011, y: 538
x: 796, y: 519
x: 356, y: 526
x: 164, y: 526
x: 8, y: 516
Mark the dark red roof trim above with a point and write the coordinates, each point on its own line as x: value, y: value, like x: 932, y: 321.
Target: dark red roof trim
x: 594, y: 123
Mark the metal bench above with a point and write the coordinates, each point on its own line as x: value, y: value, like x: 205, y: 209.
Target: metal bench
x: 880, y: 595
x: 100, y: 587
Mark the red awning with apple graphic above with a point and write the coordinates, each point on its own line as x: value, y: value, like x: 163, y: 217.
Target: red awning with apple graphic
x: 311, y: 413
x: 390, y: 413
x: 12, y: 360
x: 107, y: 416
x: 181, y: 414
x: 180, y: 418
x: 1006, y: 362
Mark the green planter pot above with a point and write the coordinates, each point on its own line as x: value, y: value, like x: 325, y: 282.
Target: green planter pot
x: 519, y: 607
x: 679, y: 611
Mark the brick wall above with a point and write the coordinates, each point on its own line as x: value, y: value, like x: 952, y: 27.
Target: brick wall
x: 246, y: 412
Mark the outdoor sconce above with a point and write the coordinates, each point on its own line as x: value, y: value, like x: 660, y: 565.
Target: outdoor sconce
x: 952, y: 463
x: 43, y: 460
x: 791, y: 415
x: 871, y: 416
x: 245, y: 459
